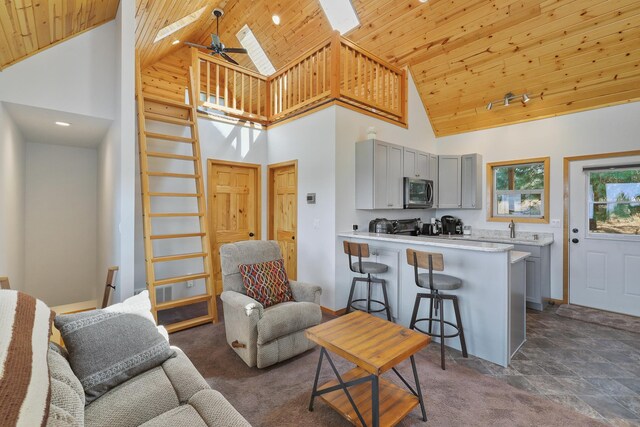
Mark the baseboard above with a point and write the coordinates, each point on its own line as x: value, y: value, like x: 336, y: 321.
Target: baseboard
x: 333, y: 312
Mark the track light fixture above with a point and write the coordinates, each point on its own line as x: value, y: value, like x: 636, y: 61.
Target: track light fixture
x: 506, y: 100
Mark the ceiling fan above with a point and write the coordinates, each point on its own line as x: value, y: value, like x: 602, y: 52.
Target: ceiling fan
x: 217, y: 47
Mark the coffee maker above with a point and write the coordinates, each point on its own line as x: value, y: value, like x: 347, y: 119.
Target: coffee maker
x: 451, y: 225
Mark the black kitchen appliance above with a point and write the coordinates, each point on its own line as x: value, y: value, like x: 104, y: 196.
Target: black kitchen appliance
x: 418, y: 193
x: 410, y: 227
x: 451, y: 225
x: 381, y: 226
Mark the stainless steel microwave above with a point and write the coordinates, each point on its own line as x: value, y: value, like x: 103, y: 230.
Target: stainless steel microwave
x: 418, y: 193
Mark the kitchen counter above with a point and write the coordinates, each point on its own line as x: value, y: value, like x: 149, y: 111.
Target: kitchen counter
x: 491, y: 299
x: 498, y: 236
x: 435, y: 241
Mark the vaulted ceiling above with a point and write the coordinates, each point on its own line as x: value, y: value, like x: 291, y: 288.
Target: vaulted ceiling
x: 29, y: 26
x: 568, y: 55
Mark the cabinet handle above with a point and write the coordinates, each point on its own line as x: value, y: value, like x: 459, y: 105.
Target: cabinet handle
x: 390, y: 205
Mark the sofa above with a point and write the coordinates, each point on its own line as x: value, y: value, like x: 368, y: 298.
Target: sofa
x: 173, y: 394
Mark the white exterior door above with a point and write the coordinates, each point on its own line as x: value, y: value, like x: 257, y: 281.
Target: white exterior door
x: 604, y: 234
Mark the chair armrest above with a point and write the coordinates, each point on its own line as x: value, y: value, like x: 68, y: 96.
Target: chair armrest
x: 242, y: 302
x: 305, y: 292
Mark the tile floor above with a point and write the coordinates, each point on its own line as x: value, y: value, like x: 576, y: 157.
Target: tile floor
x: 591, y: 368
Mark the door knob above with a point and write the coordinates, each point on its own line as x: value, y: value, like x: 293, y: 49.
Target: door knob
x: 251, y: 234
x: 574, y: 240
x: 575, y: 230
x: 293, y: 237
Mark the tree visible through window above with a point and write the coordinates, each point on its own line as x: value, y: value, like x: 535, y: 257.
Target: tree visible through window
x: 614, y: 201
x: 519, y: 190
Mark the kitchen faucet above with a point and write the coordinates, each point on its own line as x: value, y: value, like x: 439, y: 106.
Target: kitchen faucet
x: 512, y: 229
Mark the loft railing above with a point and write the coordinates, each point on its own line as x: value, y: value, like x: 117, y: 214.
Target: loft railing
x: 335, y: 70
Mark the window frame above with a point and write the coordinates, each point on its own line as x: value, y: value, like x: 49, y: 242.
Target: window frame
x: 492, y: 192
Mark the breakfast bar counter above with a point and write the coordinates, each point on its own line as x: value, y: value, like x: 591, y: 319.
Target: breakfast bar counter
x: 487, y: 298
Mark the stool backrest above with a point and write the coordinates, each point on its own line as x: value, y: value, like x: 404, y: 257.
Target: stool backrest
x: 4, y: 283
x: 361, y: 250
x: 422, y: 260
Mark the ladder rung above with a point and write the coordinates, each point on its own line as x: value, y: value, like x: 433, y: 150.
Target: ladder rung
x: 171, y: 156
x: 174, y: 214
x: 169, y: 137
x: 174, y: 175
x: 179, y: 257
x: 167, y: 119
x: 179, y: 279
x: 182, y: 302
x: 175, y: 194
x: 189, y: 323
x: 176, y: 236
x: 168, y: 102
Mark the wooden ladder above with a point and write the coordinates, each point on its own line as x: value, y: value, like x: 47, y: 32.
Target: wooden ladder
x: 179, y: 116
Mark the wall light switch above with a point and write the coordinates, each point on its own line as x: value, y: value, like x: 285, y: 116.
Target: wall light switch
x: 555, y: 223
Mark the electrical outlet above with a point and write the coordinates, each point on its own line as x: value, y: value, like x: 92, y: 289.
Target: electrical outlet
x: 555, y: 223
x: 189, y: 283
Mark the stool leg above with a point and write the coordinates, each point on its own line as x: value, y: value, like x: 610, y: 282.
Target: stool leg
x: 369, y: 294
x: 430, y: 313
x: 414, y: 315
x: 353, y: 286
x: 386, y: 300
x: 456, y: 309
x: 441, y: 334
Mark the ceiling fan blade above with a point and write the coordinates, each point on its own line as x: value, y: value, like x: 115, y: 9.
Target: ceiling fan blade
x: 228, y: 58
x: 235, y: 50
x: 197, y: 45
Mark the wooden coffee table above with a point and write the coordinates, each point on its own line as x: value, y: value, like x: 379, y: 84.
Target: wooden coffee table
x: 375, y: 346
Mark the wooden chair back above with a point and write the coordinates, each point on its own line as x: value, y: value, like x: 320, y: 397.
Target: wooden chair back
x: 356, y: 249
x: 4, y: 283
x: 111, y: 277
x: 422, y: 260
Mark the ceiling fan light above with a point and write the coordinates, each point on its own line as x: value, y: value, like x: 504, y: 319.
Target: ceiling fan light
x: 276, y: 19
x: 525, y: 98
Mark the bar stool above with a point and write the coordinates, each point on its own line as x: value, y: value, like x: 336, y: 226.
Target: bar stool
x: 361, y: 250
x: 435, y: 283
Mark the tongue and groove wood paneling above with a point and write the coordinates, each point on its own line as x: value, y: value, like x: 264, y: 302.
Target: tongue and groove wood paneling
x: 29, y: 26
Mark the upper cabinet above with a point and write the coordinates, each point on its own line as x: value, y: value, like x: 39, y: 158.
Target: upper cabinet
x: 379, y: 173
x: 459, y: 181
x: 416, y: 163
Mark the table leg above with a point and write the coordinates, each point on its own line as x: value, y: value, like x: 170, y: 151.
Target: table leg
x: 315, y: 381
x: 375, y: 401
x: 420, y: 399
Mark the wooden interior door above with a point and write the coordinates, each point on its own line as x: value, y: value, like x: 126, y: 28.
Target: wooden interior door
x: 283, y: 212
x: 234, y: 207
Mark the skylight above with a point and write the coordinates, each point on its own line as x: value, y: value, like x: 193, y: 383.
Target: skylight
x: 341, y: 14
x: 256, y: 53
x: 179, y: 24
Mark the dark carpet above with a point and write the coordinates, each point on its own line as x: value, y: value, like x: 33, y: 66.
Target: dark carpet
x: 279, y: 395
x: 600, y: 317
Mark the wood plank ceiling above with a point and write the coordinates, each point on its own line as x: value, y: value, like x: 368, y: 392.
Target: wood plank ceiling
x: 568, y: 55
x: 29, y: 26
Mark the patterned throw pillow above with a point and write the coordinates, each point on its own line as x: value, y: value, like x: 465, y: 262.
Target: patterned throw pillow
x: 266, y: 282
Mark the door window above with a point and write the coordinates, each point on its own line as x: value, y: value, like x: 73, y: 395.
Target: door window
x: 614, y: 202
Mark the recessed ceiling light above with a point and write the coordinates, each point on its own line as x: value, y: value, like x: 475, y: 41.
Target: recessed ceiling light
x: 65, y: 124
x: 276, y: 19
x: 176, y: 41
x: 423, y: 1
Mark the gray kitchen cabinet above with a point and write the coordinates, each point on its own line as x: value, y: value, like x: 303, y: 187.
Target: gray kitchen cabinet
x: 449, y: 187
x: 538, y: 275
x: 416, y: 163
x: 460, y: 181
x: 379, y: 173
x: 471, y: 181
x: 391, y: 259
x: 517, y: 307
x: 433, y: 176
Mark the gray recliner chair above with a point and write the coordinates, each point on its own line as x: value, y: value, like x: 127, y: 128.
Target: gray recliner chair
x: 263, y: 337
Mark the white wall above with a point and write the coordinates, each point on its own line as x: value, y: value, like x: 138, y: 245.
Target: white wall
x: 12, y: 186
x: 77, y: 76
x: 61, y: 220
x: 311, y: 141
x: 598, y: 131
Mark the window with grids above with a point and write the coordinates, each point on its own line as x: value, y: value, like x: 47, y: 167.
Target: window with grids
x: 519, y: 190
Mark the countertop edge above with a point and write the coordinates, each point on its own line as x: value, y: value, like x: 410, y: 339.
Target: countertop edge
x: 517, y: 256
x: 470, y: 245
